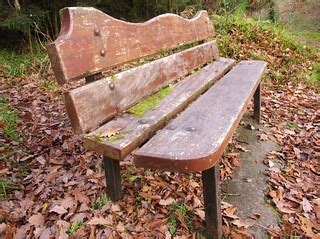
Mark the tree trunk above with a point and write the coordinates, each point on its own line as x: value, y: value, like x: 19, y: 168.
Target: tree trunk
x: 170, y: 5
x: 16, y: 5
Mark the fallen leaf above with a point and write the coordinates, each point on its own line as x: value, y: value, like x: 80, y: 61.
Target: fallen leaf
x: 110, y: 132
x: 263, y: 137
x: 165, y: 202
x: 36, y: 220
x: 200, y: 213
x: 306, y: 205
x: 58, y: 209
x: 242, y: 223
x: 255, y: 216
x: 99, y: 221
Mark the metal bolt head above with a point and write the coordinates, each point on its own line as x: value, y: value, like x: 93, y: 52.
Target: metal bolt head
x: 96, y: 32
x: 143, y: 121
x: 111, y: 86
x: 103, y: 52
x: 190, y: 129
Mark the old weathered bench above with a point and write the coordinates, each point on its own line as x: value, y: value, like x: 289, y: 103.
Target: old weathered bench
x: 190, y: 127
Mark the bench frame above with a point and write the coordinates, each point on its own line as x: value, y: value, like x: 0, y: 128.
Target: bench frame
x: 210, y: 181
x: 90, y: 25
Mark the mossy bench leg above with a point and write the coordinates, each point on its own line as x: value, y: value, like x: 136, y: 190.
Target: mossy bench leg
x: 257, y: 104
x: 212, y: 201
x: 113, y: 178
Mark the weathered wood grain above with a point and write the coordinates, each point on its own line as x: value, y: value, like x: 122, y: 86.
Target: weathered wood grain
x: 92, y: 104
x: 91, y: 41
x: 195, y: 140
x: 138, y: 130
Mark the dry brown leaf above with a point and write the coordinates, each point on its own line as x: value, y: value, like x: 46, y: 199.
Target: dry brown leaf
x: 200, y: 213
x: 58, y: 209
x: 242, y: 223
x: 110, y: 132
x: 306, y: 205
x: 99, y: 221
x: 166, y: 202
x: 36, y: 220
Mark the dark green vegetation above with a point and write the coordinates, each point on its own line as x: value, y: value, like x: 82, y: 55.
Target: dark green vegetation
x: 242, y: 38
x: 8, y: 120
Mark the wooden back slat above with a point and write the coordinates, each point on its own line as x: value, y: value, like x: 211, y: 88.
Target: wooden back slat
x: 91, y: 41
x: 93, y: 104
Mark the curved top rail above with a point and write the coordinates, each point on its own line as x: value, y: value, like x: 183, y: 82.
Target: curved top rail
x: 91, y: 41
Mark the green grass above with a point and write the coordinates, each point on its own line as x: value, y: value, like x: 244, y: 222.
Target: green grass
x: 101, y: 201
x: 9, y: 119
x: 49, y: 85
x: 176, y: 210
x: 315, y: 74
x: 150, y: 102
x: 20, y: 64
x: 6, y: 187
x: 74, y: 227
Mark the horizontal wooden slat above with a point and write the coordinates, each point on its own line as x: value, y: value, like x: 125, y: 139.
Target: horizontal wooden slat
x: 137, y: 130
x: 91, y: 105
x: 195, y: 140
x: 91, y: 41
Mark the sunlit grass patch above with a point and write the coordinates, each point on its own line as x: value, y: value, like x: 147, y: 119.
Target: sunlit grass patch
x: 178, y: 213
x: 8, y: 120
x: 74, y: 227
x: 101, y: 201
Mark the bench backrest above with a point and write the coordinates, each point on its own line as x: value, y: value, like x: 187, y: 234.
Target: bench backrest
x: 91, y: 42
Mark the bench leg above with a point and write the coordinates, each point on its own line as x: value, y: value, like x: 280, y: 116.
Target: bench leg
x: 113, y: 178
x: 212, y: 201
x: 257, y: 104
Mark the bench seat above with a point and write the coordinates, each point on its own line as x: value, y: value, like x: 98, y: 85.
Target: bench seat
x: 138, y: 129
x: 195, y: 140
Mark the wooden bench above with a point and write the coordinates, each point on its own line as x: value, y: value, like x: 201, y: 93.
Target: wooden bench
x: 190, y: 127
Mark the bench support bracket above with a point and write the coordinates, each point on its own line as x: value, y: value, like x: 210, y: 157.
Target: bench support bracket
x: 113, y: 178
x: 212, y: 201
x: 257, y: 104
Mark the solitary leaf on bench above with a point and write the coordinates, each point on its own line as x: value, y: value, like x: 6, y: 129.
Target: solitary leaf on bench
x: 110, y: 132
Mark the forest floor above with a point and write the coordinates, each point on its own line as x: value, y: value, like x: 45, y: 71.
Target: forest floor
x: 50, y: 185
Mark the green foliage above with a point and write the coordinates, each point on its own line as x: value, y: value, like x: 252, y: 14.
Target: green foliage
x: 26, y: 19
x: 150, y: 102
x: 6, y: 187
x: 116, y: 137
x: 49, y: 85
x: 101, y: 201
x: 20, y: 64
x: 9, y: 118
x: 74, y: 227
x: 251, y: 28
x: 315, y: 74
x: 178, y: 210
